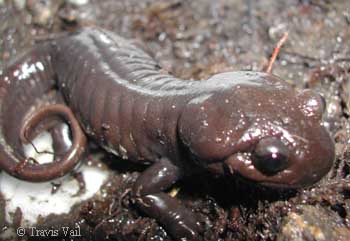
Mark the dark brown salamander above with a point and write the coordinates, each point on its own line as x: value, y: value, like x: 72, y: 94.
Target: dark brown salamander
x: 251, y: 124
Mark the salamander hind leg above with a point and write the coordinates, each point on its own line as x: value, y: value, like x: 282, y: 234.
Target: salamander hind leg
x: 179, y: 221
x: 61, y: 141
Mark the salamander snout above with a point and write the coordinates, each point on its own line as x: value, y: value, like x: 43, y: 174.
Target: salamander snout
x: 270, y: 156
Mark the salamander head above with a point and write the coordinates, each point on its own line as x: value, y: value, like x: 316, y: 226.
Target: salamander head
x: 257, y: 126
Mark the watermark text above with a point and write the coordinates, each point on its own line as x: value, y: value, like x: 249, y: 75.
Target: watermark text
x: 38, y: 232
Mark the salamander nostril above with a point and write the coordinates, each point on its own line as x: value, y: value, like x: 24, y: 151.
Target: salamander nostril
x: 270, y: 156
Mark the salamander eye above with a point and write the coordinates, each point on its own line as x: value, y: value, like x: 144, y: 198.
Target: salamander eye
x: 270, y: 156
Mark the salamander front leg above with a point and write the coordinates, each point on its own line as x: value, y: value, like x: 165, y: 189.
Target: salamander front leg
x: 179, y: 221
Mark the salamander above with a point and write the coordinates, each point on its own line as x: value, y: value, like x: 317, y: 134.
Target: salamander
x: 249, y: 124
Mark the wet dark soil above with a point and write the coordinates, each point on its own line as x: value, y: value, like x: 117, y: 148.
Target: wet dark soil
x: 195, y: 39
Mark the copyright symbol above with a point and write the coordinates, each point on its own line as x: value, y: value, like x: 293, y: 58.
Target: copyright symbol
x: 21, y: 232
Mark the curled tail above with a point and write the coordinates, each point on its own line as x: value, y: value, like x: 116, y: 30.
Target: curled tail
x: 29, y: 105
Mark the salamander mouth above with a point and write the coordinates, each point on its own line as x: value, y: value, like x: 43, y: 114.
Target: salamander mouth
x: 242, y: 165
x: 270, y: 155
x: 265, y: 155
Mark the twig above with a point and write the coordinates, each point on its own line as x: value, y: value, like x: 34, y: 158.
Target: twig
x: 41, y: 152
x: 276, y: 51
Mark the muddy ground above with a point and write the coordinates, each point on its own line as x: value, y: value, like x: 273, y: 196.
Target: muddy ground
x: 193, y: 40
